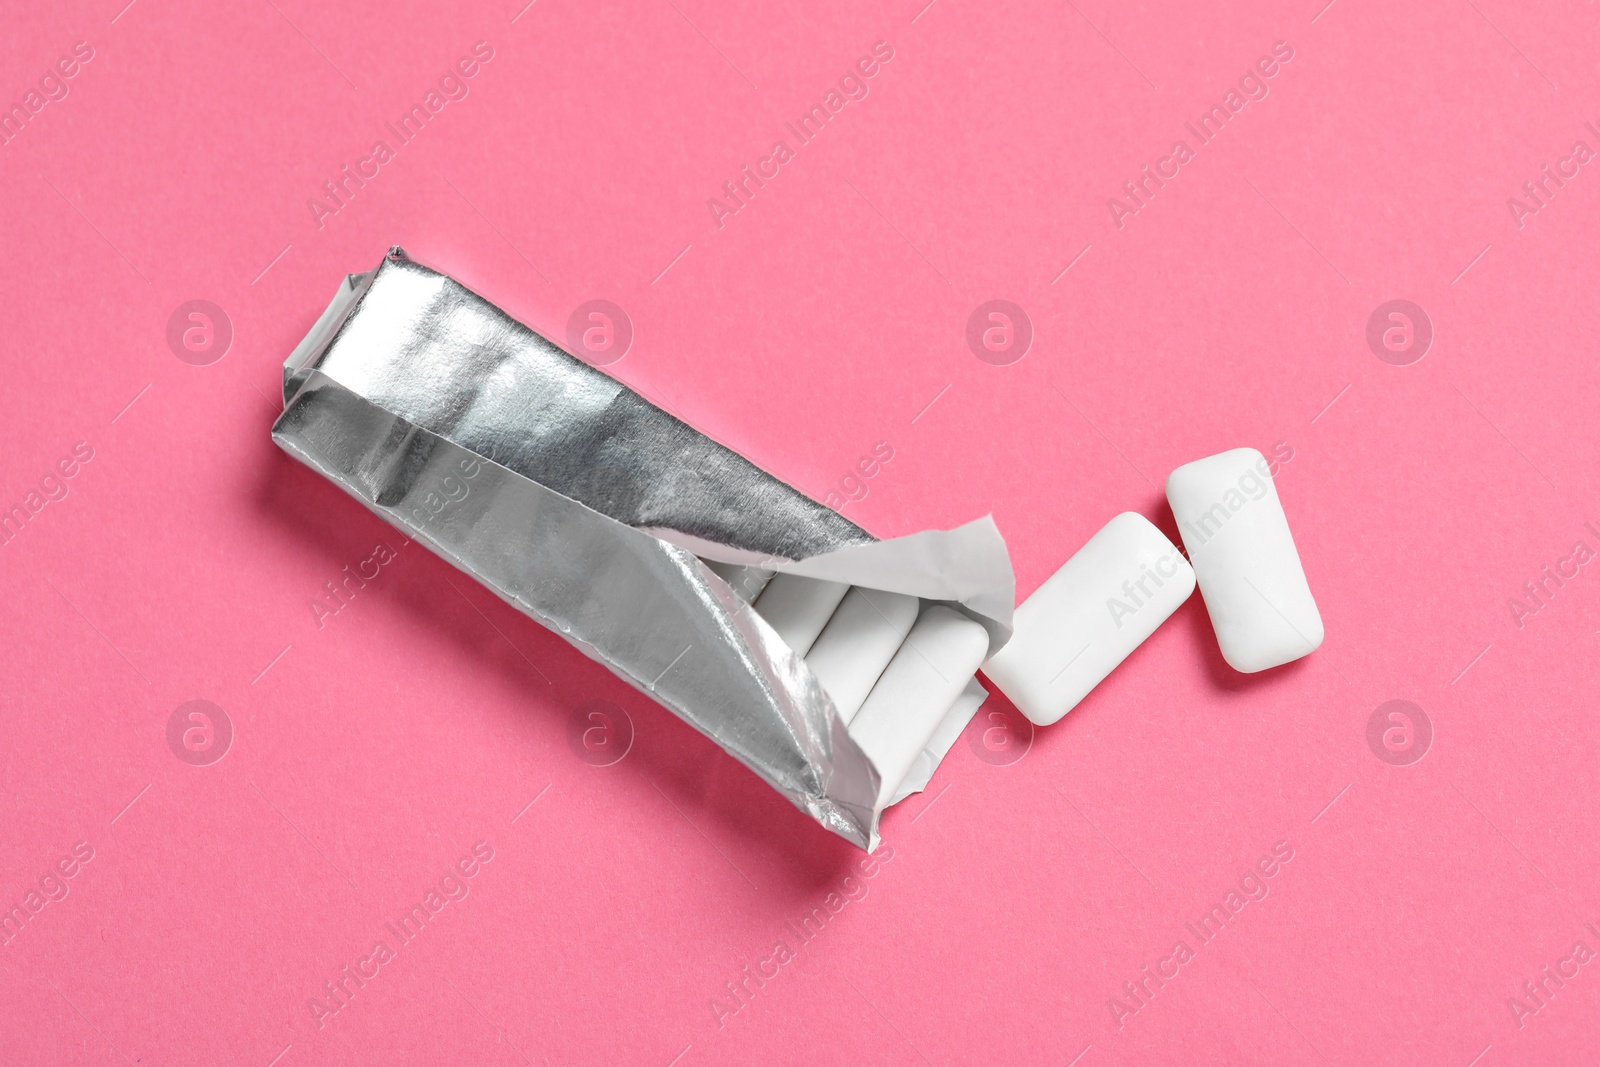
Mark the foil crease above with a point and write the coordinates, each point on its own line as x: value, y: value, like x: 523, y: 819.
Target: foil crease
x: 586, y: 507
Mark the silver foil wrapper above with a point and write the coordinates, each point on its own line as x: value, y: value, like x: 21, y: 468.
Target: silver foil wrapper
x: 590, y: 510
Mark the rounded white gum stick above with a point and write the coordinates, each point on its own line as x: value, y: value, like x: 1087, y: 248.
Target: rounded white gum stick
x: 1244, y: 558
x: 747, y: 582
x: 901, y: 714
x: 1089, y: 616
x: 951, y: 725
x: 798, y: 608
x: 858, y: 643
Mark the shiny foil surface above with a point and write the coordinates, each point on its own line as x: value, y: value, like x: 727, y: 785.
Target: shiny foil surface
x: 586, y: 508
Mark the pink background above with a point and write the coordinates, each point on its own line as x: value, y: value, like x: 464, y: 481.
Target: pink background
x: 1034, y: 878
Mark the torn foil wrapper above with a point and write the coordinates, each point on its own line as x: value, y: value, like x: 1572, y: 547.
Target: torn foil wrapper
x: 586, y: 507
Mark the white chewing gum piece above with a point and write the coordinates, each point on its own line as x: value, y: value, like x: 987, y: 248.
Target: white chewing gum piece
x: 1244, y: 558
x: 1088, y: 616
x: 798, y: 608
x: 901, y: 714
x: 951, y: 725
x: 858, y: 643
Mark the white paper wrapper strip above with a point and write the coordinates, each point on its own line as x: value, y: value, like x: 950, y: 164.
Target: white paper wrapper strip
x: 1089, y: 616
x: 1245, y: 560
